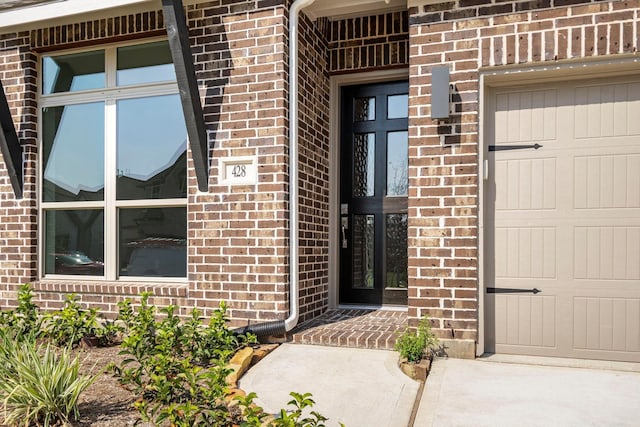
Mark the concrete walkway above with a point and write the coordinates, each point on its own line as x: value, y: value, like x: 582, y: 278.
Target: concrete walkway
x: 358, y: 387
x: 365, y: 388
x: 481, y: 393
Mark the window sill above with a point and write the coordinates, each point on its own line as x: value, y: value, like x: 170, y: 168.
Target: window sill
x: 68, y: 286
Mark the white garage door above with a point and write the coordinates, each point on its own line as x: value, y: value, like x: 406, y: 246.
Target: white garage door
x: 563, y: 220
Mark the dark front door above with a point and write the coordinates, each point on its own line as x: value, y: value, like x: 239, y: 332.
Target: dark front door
x: 373, y: 194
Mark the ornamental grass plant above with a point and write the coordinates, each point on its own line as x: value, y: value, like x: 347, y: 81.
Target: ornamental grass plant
x: 39, y: 384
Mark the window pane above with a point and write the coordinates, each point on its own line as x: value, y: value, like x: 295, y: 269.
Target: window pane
x: 363, y: 251
x: 364, y: 155
x: 151, y: 148
x: 74, y: 242
x: 397, y: 163
x: 398, y: 106
x: 396, y: 248
x: 153, y: 242
x: 145, y: 63
x: 70, y: 73
x: 73, y: 152
x: 364, y: 109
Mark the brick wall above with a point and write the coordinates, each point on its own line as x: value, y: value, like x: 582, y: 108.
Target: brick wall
x: 18, y: 217
x: 238, y: 235
x: 369, y: 42
x: 313, y: 162
x: 238, y: 248
x: 443, y: 204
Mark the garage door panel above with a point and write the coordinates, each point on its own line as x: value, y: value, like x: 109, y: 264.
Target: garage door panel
x: 606, y: 181
x: 608, y: 324
x: 526, y: 116
x: 525, y: 252
x: 607, y: 110
x: 607, y: 253
x: 527, y: 184
x: 565, y: 220
x: 526, y: 320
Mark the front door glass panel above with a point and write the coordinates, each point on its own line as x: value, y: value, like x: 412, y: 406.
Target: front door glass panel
x: 364, y: 145
x: 397, y: 163
x: 363, y: 251
x: 396, y: 251
x: 364, y: 109
x: 398, y: 106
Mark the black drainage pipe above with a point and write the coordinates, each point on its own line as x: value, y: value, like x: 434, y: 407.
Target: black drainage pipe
x: 277, y: 327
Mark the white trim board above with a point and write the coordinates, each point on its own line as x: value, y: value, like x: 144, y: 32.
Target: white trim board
x: 25, y: 16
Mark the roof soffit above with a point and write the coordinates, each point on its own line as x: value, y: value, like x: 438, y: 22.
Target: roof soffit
x: 338, y: 9
x: 19, y: 15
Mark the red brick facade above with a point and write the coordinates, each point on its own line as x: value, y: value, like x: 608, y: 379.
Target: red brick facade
x: 238, y: 235
x: 314, y: 169
x: 18, y: 230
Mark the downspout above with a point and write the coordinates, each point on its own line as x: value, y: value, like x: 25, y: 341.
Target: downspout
x: 279, y: 327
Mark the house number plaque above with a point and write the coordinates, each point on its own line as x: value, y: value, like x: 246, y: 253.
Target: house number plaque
x: 239, y: 171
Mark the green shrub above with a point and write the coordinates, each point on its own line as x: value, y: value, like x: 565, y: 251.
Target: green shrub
x: 69, y: 325
x: 254, y: 416
x: 39, y: 385
x: 294, y: 417
x: 412, y: 343
x: 177, y: 368
x: 24, y: 322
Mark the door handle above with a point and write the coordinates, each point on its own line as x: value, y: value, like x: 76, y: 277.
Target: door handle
x: 344, y: 225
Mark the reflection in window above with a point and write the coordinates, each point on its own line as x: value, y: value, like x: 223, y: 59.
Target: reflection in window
x: 145, y: 63
x: 105, y: 154
x: 73, y: 152
x: 398, y: 106
x: 153, y: 242
x: 364, y: 109
x: 151, y: 148
x: 71, y: 73
x: 364, y: 154
x: 363, y: 251
x: 397, y: 163
x: 74, y: 242
x: 396, y: 251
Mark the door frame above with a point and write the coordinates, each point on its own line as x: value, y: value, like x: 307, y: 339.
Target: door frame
x: 514, y: 75
x: 337, y: 82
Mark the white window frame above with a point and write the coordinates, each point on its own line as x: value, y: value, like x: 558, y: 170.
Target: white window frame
x: 110, y: 94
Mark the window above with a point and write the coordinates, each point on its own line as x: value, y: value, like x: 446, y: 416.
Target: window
x: 114, y: 167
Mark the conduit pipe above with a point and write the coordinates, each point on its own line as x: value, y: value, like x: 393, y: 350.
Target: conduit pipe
x: 281, y: 326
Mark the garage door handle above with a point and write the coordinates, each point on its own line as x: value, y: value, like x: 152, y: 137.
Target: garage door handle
x: 512, y: 291
x: 513, y: 147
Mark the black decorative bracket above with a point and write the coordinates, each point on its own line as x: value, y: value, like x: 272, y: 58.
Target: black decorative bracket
x: 512, y: 291
x: 10, y: 146
x: 513, y: 147
x: 178, y: 33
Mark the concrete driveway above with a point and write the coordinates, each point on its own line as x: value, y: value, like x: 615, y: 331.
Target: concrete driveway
x: 484, y: 393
